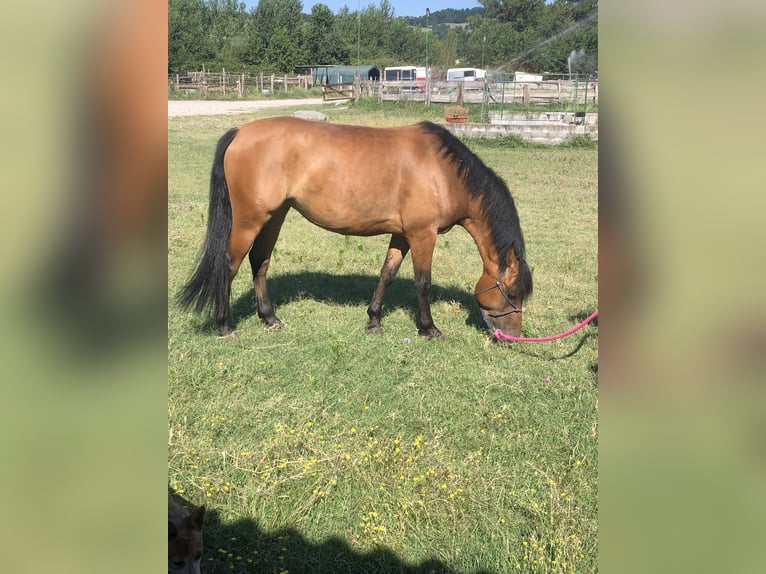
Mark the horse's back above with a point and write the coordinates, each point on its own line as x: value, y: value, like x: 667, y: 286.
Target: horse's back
x: 350, y: 179
x: 325, y: 141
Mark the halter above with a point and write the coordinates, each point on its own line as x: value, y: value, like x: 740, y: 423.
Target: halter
x: 515, y: 309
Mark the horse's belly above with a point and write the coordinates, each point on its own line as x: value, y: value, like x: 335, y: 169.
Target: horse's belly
x: 354, y: 226
x: 349, y: 218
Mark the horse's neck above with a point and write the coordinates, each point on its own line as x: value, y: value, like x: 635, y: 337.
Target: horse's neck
x: 477, y: 227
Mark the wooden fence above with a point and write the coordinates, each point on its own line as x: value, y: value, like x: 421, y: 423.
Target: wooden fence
x: 543, y: 92
x: 342, y: 91
x: 552, y: 91
x: 225, y: 83
x: 349, y: 90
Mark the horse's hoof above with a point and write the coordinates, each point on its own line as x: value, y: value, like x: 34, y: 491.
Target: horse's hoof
x: 274, y: 324
x: 374, y: 330
x: 434, y: 335
x: 228, y: 336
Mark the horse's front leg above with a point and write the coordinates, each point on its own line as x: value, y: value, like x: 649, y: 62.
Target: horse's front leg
x: 422, y: 257
x: 397, y: 250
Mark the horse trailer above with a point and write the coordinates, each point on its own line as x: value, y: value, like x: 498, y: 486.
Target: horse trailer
x: 465, y: 74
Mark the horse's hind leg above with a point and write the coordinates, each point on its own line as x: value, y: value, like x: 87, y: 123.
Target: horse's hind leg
x: 260, y: 258
x: 397, y: 250
x: 240, y: 240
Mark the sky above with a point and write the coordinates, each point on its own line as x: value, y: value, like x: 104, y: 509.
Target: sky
x: 401, y: 7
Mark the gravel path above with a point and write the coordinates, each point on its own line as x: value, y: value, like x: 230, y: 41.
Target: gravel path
x: 217, y: 108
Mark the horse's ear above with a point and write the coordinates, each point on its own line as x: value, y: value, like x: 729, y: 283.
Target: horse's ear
x: 197, y: 518
x: 511, y: 261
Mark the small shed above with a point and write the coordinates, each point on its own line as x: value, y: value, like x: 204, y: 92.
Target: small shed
x: 337, y: 74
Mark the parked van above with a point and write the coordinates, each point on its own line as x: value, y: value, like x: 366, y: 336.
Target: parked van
x: 465, y: 74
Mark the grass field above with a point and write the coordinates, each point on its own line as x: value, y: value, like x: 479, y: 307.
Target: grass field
x: 317, y: 448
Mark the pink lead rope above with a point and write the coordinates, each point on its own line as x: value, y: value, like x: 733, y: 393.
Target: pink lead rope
x: 500, y: 335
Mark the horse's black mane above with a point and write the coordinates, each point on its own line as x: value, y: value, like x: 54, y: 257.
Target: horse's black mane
x: 496, y: 202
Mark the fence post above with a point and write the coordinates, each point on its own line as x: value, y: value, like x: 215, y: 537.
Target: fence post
x: 585, y: 102
x: 272, y: 84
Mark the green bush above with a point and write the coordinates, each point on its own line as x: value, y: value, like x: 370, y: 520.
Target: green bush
x: 580, y: 140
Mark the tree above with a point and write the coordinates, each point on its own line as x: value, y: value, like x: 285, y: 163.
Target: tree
x: 449, y: 49
x: 375, y: 35
x: 508, y: 35
x: 521, y: 14
x: 186, y: 31
x: 533, y: 36
x: 227, y: 32
x: 276, y: 35
x: 569, y: 26
x: 323, y: 44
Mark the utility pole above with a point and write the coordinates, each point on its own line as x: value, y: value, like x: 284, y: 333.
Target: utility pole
x: 428, y: 72
x: 484, y: 96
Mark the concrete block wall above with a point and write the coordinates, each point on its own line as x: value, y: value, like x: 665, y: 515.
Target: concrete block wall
x: 536, y: 132
x: 508, y: 117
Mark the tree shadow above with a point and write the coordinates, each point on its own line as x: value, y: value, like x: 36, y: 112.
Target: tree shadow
x: 244, y: 547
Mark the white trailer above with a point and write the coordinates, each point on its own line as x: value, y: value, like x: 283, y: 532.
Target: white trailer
x: 406, y: 74
x: 465, y: 74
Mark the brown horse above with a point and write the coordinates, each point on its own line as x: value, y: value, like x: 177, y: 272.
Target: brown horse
x: 426, y: 181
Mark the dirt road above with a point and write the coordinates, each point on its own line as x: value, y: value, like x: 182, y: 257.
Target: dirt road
x: 217, y: 108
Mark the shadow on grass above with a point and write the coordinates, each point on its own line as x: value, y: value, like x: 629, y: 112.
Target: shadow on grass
x: 533, y: 349
x: 357, y: 290
x: 243, y: 547
x: 351, y: 289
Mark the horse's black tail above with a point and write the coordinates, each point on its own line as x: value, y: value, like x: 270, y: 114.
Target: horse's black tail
x: 209, y: 285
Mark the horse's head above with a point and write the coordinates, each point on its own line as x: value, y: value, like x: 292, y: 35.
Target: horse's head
x: 500, y: 297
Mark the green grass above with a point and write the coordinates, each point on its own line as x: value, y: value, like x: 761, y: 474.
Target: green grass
x: 318, y: 448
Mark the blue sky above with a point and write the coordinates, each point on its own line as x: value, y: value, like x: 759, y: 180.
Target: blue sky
x: 401, y: 7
